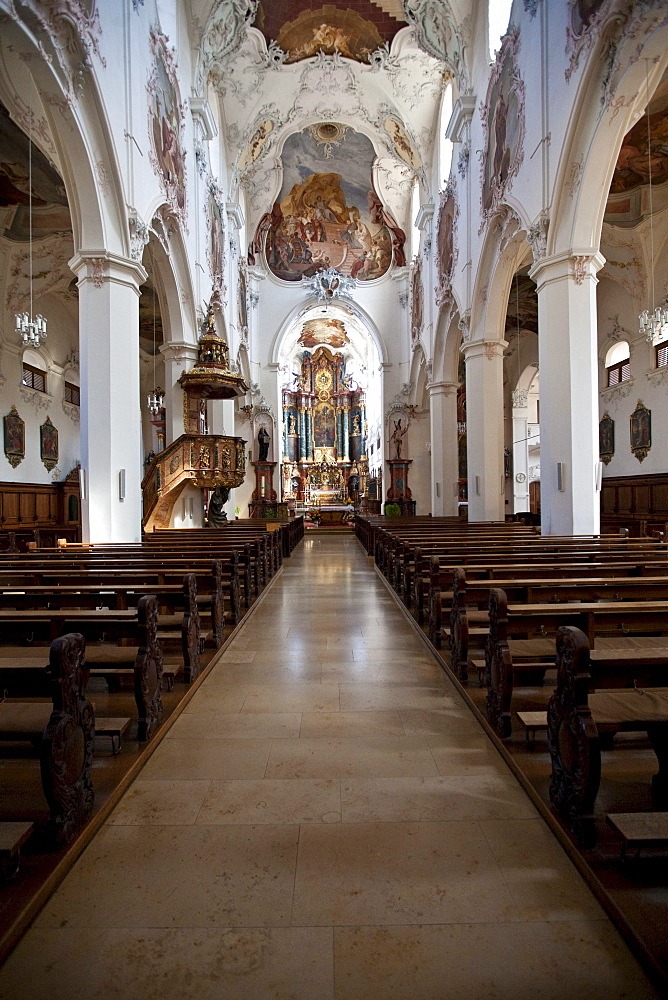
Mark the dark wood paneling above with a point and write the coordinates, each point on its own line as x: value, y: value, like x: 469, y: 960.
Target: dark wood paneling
x: 627, y: 501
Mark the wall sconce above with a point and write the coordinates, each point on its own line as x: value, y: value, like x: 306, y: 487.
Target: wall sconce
x: 598, y: 476
x: 561, y: 477
x: 438, y: 489
x: 121, y: 485
x: 82, y: 483
x: 477, y: 486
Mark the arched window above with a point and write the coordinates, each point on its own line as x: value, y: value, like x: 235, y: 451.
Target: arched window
x: 498, y: 16
x: 33, y: 373
x: 618, y: 364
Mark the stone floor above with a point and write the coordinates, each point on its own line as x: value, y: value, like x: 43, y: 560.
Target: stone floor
x: 326, y: 819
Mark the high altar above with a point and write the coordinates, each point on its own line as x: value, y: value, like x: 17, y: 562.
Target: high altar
x: 324, y: 433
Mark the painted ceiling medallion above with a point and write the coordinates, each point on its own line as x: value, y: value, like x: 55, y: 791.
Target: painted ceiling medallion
x: 354, y: 29
x: 329, y: 216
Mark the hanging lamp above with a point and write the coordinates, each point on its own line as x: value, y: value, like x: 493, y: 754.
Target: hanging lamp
x: 653, y: 322
x: 31, y: 329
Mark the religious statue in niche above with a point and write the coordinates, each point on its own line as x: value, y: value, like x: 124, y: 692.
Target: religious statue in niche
x: 606, y: 438
x: 397, y: 437
x: 641, y: 431
x: 263, y: 440
x: 48, y: 444
x: 502, y: 116
x: 216, y: 516
x: 166, y: 123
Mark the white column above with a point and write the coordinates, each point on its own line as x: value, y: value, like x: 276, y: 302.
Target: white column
x: 567, y: 341
x: 484, y: 429
x: 110, y: 404
x: 178, y: 357
x: 444, y: 448
x: 520, y: 451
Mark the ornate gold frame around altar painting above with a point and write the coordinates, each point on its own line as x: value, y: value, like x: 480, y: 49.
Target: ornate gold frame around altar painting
x: 15, y: 438
x: 641, y: 431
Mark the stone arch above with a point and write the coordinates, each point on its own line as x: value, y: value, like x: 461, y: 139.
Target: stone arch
x: 80, y: 132
x: 311, y: 302
x: 610, y: 99
x: 505, y: 250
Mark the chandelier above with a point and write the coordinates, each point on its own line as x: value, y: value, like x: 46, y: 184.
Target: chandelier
x: 30, y: 329
x: 653, y: 323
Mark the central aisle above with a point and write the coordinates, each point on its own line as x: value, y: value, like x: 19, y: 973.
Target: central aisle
x: 325, y: 820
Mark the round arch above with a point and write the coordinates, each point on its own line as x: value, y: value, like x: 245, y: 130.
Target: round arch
x: 600, y: 118
x: 313, y: 302
x: 505, y: 250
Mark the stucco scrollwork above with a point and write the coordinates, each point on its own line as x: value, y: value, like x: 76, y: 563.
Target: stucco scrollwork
x: 224, y: 32
x: 537, y: 237
x: 139, y: 236
x: 438, y: 34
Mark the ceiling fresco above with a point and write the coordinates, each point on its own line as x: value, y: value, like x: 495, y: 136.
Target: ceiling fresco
x: 355, y: 29
x: 50, y: 211
x: 331, y: 332
x: 327, y: 213
x: 638, y: 162
x: 522, y: 302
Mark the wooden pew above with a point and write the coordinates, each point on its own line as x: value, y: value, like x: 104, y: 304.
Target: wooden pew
x: 67, y: 742
x: 614, y: 621
x: 468, y: 599
x: 145, y: 657
x: 581, y: 709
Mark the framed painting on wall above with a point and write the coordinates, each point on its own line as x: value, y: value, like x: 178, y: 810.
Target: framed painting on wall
x: 606, y: 438
x: 48, y: 444
x: 641, y: 431
x: 15, y: 438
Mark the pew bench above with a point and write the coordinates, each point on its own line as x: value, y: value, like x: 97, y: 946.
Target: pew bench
x: 13, y: 836
x: 25, y: 722
x: 145, y: 655
x: 581, y: 708
x: 639, y: 830
x: 615, y: 622
x: 66, y: 741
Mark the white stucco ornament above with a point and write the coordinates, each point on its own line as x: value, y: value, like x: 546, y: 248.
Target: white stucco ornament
x: 329, y: 284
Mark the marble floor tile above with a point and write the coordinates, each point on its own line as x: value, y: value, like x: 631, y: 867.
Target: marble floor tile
x: 397, y: 873
x: 351, y: 724
x: 180, y: 876
x: 542, y: 880
x: 277, y: 963
x: 307, y: 697
x: 389, y: 800
x: 163, y: 802
x: 585, y: 960
x: 272, y: 801
x: 346, y: 758
x: 388, y: 698
x: 206, y: 759
x: 254, y: 725
x: 215, y: 698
